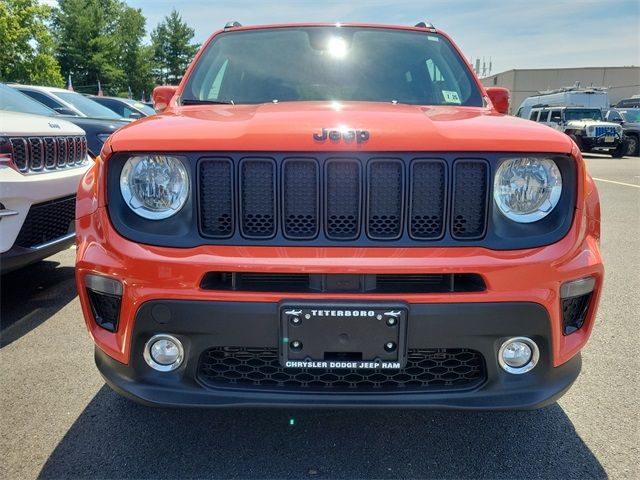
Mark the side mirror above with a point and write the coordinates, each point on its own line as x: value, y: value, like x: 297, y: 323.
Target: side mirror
x: 499, y: 96
x: 135, y: 115
x: 162, y: 96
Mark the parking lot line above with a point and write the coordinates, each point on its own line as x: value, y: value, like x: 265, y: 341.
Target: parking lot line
x: 617, y: 183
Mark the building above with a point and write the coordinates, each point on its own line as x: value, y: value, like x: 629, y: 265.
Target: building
x: 623, y: 82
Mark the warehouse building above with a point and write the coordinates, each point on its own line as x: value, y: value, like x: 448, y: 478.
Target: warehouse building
x: 623, y: 82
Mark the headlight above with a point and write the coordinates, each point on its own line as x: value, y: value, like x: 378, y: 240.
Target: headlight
x: 154, y: 186
x: 590, y: 130
x: 527, y: 189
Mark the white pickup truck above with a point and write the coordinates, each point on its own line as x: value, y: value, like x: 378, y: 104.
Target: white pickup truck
x: 42, y: 160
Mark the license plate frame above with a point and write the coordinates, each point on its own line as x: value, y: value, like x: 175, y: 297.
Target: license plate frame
x: 609, y: 139
x: 343, y: 335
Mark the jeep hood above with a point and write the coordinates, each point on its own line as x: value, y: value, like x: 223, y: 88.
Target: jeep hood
x: 289, y: 126
x: 27, y: 124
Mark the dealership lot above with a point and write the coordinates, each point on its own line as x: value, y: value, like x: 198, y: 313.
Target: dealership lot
x: 58, y: 419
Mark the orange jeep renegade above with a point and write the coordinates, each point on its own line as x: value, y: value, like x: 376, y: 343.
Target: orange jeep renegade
x: 338, y: 215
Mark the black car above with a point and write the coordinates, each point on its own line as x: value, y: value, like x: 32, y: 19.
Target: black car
x: 97, y: 129
x: 633, y: 102
x: 125, y: 107
x: 629, y: 118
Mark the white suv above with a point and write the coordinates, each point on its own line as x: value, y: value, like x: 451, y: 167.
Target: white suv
x: 42, y: 160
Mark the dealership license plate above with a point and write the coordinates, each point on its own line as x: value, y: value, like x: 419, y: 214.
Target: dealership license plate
x: 339, y: 336
x: 609, y: 139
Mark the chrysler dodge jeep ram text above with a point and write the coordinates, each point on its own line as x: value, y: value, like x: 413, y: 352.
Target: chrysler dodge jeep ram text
x: 338, y: 215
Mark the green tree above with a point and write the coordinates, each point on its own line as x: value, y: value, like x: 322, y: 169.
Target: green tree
x: 26, y: 44
x: 87, y: 47
x: 172, y: 48
x: 135, y: 59
x: 102, y: 40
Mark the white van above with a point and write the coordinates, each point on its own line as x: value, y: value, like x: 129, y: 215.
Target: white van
x: 566, y: 97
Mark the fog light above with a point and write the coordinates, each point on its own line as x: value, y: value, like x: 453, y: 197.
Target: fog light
x: 518, y: 355
x: 163, y: 353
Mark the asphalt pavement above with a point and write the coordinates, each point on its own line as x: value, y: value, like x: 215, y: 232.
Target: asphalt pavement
x: 59, y: 420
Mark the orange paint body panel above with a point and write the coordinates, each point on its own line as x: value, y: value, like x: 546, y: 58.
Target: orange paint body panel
x: 158, y: 273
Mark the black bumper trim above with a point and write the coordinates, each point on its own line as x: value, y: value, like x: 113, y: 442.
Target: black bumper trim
x: 203, y: 324
x: 18, y: 257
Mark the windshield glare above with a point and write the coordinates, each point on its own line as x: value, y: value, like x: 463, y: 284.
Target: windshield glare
x: 15, y: 101
x: 583, y: 114
x: 87, y: 106
x: 334, y: 64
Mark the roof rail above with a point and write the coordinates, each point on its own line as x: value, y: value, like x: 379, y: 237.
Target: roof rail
x: 424, y: 25
x: 232, y: 24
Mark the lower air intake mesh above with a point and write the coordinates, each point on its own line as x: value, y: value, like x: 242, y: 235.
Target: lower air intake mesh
x: 259, y: 368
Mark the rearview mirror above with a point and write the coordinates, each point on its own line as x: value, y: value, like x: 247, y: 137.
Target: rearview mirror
x: 499, y: 97
x: 162, y: 95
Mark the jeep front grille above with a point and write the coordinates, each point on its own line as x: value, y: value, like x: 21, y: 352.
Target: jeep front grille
x: 42, y: 154
x: 337, y: 199
x: 600, y: 131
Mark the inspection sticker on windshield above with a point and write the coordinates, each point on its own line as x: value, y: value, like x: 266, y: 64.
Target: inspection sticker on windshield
x: 451, y: 97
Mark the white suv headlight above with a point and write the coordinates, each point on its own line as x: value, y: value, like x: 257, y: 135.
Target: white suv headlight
x: 154, y: 186
x: 527, y: 189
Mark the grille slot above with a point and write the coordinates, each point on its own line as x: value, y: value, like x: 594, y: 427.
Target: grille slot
x: 343, y: 193
x: 257, y: 198
x: 47, y: 221
x: 71, y: 151
x: 300, y: 199
x: 259, y: 368
x: 20, y: 153
x: 336, y: 283
x: 50, y: 152
x: 428, y: 198
x: 385, y: 199
x: 36, y: 150
x: 470, y: 186
x: 216, y: 197
x: 62, y: 151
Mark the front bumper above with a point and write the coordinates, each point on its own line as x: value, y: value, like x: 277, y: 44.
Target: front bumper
x: 200, y: 325
x: 600, y: 143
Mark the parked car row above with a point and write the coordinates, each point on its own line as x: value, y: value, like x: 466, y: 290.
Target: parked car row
x: 49, y: 138
x: 585, y: 116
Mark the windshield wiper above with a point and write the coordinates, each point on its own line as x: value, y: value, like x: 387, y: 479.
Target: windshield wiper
x: 193, y: 101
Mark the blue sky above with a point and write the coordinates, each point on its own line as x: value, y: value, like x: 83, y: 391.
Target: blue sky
x: 516, y: 33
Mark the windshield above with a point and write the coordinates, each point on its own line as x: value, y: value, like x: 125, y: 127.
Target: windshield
x: 331, y: 63
x: 631, y: 116
x: 87, y: 106
x: 15, y: 101
x: 582, y: 114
